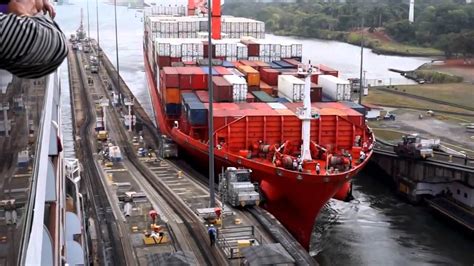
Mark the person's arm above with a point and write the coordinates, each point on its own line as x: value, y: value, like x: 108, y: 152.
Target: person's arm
x: 30, y: 46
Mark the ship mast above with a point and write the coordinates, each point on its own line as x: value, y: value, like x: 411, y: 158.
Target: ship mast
x: 304, y: 113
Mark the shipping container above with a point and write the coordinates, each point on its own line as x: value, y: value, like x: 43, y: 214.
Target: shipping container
x: 239, y: 87
x: 236, y: 72
x: 283, y: 64
x: 266, y: 88
x: 185, y: 77
x: 163, y: 61
x: 328, y: 71
x: 172, y: 95
x: 316, y: 93
x: 203, y: 96
x: 282, y: 100
x: 250, y: 98
x: 249, y: 63
x: 269, y: 76
x: 335, y: 88
x: 261, y: 96
x: 291, y: 88
x: 292, y: 62
x: 173, y: 109
x: 223, y: 90
x: 222, y: 70
x: 206, y: 71
x: 170, y: 77
x: 227, y: 64
x: 196, y: 114
x: 252, y: 75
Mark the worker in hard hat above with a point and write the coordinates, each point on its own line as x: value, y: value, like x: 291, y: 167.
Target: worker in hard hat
x: 212, y: 234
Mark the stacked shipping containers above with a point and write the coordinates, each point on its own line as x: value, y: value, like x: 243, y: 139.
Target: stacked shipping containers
x: 290, y: 87
x: 334, y: 88
x: 239, y: 87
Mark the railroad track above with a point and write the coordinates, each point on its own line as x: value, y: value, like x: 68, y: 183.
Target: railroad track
x: 107, y: 229
x: 193, y: 224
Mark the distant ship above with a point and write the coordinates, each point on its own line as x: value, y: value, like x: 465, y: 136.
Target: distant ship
x: 268, y: 110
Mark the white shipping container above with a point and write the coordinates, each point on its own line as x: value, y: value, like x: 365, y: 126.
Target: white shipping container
x: 297, y: 50
x: 239, y: 87
x: 291, y: 88
x: 335, y: 88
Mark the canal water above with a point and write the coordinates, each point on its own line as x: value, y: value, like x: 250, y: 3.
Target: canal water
x: 377, y: 228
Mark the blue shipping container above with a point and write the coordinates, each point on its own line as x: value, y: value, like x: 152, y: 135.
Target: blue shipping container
x: 196, y: 114
x: 282, y: 100
x: 227, y: 64
x: 275, y: 66
x: 173, y: 109
x: 206, y: 70
x: 283, y: 64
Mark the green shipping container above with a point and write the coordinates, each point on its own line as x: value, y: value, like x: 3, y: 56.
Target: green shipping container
x: 262, y: 96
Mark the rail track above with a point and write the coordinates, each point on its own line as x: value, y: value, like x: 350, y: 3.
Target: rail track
x: 106, y: 224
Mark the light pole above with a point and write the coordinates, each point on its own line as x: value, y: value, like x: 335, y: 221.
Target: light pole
x: 361, y: 61
x: 212, y: 202
x: 88, y: 21
x: 117, y: 53
x: 98, y: 36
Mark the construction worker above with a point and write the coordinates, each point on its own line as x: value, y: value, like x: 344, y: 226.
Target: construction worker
x: 300, y: 167
x: 212, y: 234
x: 362, y: 156
x: 318, y: 168
x: 295, y: 164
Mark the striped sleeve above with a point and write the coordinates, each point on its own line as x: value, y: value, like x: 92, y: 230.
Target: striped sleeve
x: 30, y: 47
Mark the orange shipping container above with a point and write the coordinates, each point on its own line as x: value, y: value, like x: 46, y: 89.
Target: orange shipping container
x: 266, y: 88
x: 252, y: 75
x: 172, y: 95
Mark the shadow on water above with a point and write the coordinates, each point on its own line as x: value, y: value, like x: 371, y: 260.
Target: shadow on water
x: 380, y: 228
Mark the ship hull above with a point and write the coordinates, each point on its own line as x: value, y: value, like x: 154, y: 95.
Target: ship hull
x: 294, y: 198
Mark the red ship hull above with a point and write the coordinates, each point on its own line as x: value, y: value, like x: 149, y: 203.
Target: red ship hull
x: 294, y: 198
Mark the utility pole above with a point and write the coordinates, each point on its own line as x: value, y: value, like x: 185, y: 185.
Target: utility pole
x: 212, y: 202
x: 361, y: 89
x: 98, y: 39
x: 88, y: 21
x: 117, y: 54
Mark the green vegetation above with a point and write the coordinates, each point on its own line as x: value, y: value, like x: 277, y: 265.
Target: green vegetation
x: 444, y: 24
x: 432, y: 76
x: 391, y: 47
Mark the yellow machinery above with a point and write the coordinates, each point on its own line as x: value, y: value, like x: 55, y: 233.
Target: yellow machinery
x: 103, y: 135
x: 157, y: 236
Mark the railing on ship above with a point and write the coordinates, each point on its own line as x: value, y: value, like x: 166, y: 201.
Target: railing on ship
x: 47, y: 194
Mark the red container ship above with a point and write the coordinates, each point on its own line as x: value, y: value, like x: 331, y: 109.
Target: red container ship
x: 268, y: 113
